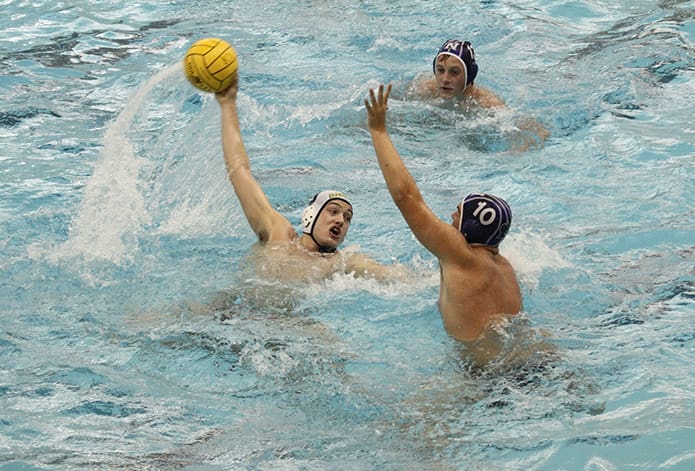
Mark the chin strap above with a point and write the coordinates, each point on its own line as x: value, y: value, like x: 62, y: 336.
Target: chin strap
x: 322, y: 249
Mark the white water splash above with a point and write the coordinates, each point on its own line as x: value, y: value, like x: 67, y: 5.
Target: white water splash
x: 113, y: 211
x: 529, y: 254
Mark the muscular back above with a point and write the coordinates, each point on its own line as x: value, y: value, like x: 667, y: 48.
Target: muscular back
x: 475, y: 291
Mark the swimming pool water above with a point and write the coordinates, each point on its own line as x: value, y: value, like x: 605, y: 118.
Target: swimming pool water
x: 134, y: 337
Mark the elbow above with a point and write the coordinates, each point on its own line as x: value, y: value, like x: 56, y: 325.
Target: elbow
x: 405, y: 194
x: 399, y: 197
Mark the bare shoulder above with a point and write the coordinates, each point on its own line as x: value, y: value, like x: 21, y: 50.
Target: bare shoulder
x: 486, y: 98
x: 478, y: 260
x: 281, y: 230
x: 449, y: 245
x: 422, y: 87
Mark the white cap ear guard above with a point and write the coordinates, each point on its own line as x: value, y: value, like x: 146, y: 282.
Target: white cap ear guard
x: 308, y: 216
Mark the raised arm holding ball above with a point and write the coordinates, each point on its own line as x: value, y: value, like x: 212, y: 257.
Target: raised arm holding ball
x: 314, y: 254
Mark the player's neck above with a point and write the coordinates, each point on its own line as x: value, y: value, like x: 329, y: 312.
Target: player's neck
x: 307, y: 243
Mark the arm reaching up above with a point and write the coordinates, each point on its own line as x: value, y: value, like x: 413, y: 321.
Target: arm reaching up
x: 477, y: 284
x: 399, y: 182
x: 265, y: 221
x: 432, y: 232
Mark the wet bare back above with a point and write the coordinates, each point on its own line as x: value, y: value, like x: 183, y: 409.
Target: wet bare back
x: 475, y: 290
x: 477, y: 283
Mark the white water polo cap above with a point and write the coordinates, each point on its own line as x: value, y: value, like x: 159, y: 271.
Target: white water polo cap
x: 317, y: 204
x: 485, y: 219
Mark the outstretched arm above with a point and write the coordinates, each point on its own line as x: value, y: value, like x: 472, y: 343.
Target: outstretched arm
x: 265, y: 221
x: 530, y: 135
x: 363, y: 266
x: 431, y: 231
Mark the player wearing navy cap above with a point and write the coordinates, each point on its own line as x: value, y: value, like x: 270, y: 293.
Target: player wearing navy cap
x: 454, y: 71
x: 478, y: 285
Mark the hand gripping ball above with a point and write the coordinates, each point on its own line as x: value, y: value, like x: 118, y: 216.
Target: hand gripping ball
x: 210, y: 64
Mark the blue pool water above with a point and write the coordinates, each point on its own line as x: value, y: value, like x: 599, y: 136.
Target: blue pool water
x: 123, y: 246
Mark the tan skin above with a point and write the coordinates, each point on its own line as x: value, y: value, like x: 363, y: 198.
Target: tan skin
x: 449, y: 83
x: 285, y: 255
x: 478, y: 284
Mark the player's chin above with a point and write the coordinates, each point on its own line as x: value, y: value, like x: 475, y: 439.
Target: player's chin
x: 332, y: 242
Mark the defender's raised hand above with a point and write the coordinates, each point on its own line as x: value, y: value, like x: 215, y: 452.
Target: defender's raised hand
x: 377, y: 104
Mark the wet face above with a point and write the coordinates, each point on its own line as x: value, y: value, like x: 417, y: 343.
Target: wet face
x: 450, y: 75
x: 333, y: 223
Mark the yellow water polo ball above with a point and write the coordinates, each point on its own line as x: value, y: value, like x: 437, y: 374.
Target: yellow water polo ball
x: 210, y: 64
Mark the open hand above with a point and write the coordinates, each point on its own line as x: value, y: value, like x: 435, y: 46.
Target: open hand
x: 376, y: 107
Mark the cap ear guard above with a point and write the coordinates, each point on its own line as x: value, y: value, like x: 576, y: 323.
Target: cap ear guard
x: 308, y: 216
x: 318, y: 202
x: 469, y: 60
x: 460, y: 208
